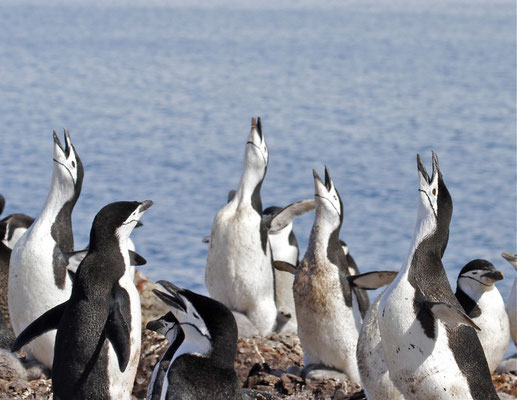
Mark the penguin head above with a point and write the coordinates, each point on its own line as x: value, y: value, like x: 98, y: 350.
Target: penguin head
x: 13, y: 227
x: 478, y: 276
x: 166, y: 325
x: 68, y: 168
x: 2, y: 204
x: 327, y: 200
x: 208, y: 325
x: 116, y: 221
x: 257, y: 155
x: 435, y: 202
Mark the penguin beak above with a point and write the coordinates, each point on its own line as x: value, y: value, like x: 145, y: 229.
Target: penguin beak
x: 68, y: 143
x: 328, y: 180
x: 422, y: 170
x: 493, y: 276
x: 161, y: 323
x: 57, y: 142
x: 144, y: 205
x: 257, y: 125
x: 172, y: 299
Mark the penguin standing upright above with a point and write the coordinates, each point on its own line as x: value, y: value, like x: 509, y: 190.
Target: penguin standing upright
x: 38, y: 280
x: 98, y: 329
x: 483, y: 303
x: 238, y: 271
x: 327, y: 323
x: 430, y: 346
x: 511, y: 306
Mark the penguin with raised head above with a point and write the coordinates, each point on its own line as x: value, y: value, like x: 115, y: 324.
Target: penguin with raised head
x: 238, y: 271
x: 430, y: 345
x: 38, y: 280
x: 511, y: 306
x: 97, y: 345
x: 483, y: 303
x: 327, y: 322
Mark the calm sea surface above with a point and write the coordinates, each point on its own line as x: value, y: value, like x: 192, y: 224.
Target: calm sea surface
x: 158, y: 100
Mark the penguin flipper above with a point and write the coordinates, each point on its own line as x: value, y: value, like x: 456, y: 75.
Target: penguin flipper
x: 46, y: 322
x: 136, y: 259
x: 117, y: 332
x: 277, y: 221
x: 73, y: 259
x: 372, y: 280
x: 450, y: 315
x: 284, y: 266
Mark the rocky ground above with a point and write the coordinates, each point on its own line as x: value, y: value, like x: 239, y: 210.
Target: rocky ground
x: 265, y: 363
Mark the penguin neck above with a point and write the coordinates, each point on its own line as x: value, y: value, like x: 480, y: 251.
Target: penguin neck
x: 323, y: 229
x: 249, y: 189
x: 57, y: 212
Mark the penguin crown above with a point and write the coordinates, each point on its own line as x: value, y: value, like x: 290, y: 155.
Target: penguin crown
x: 211, y: 320
x: 481, y: 271
x: 327, y: 194
x: 116, y: 220
x: 67, y: 161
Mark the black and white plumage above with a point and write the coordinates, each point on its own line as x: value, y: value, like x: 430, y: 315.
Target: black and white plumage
x: 199, y: 363
x: 97, y: 344
x: 238, y: 270
x: 511, y: 306
x: 430, y: 346
x: 483, y: 303
x: 327, y: 323
x: 38, y: 280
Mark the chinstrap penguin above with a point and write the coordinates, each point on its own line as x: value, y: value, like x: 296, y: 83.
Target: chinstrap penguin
x: 430, y: 345
x: 327, y: 323
x: 12, y: 228
x: 38, y: 280
x: 239, y: 271
x: 97, y: 345
x: 373, y: 371
x: 511, y: 306
x: 285, y: 253
x: 199, y: 363
x: 483, y: 303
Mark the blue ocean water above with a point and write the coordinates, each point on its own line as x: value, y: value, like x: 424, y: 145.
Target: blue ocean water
x: 158, y: 99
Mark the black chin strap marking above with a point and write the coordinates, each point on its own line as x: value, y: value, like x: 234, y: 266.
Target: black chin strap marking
x: 71, y: 176
x: 430, y: 203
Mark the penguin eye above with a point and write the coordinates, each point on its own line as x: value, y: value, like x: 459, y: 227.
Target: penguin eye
x: 474, y: 273
x: 73, y: 164
x: 434, y: 192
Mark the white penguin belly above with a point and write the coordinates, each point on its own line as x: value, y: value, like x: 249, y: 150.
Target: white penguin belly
x: 421, y: 368
x: 374, y: 373
x: 121, y: 383
x: 495, y: 327
x: 238, y: 272
x: 326, y: 325
x: 32, y: 292
x: 512, y: 311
